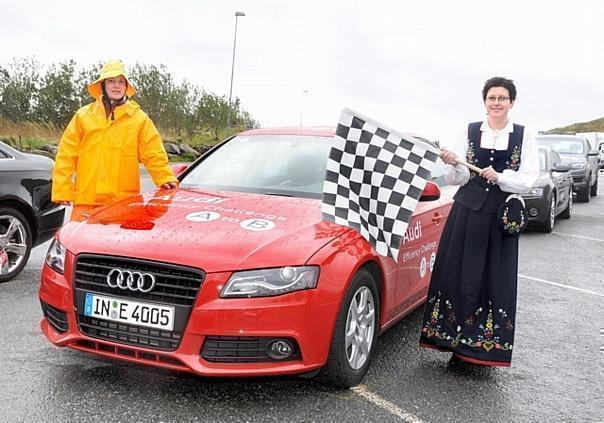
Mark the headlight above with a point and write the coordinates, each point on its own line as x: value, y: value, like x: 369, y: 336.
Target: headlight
x: 55, y: 258
x: 269, y: 282
x: 578, y: 165
x: 535, y: 192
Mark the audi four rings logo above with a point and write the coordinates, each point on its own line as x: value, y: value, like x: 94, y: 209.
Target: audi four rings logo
x: 134, y: 281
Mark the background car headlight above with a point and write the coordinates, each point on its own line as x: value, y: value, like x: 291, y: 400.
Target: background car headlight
x: 535, y: 192
x: 55, y: 258
x: 269, y: 282
x: 578, y: 165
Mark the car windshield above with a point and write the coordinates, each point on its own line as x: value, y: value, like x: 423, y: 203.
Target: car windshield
x: 563, y: 146
x: 285, y: 165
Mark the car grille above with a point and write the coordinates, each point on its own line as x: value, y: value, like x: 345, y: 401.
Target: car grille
x: 57, y: 318
x: 241, y: 349
x: 129, y: 334
x: 175, y: 286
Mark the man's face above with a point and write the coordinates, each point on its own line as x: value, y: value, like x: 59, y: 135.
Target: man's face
x: 116, y: 87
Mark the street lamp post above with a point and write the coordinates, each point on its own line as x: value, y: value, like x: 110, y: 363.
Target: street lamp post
x: 302, y: 104
x: 237, y: 14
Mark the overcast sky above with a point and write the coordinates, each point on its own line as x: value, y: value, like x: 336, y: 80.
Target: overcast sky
x: 417, y: 66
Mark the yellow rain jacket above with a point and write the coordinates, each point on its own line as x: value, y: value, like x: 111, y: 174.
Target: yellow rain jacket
x: 104, y: 154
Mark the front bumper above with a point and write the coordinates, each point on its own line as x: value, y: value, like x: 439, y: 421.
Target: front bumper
x: 538, y: 208
x: 305, y: 317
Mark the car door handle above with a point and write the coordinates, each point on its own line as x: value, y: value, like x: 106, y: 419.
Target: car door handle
x: 437, y: 218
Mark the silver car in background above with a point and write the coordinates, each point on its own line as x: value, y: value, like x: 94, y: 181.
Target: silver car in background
x: 576, y: 151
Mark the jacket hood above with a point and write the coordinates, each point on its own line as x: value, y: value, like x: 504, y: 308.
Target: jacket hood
x: 211, y: 230
x: 111, y: 69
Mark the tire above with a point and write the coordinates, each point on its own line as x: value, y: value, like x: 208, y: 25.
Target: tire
x: 347, y: 364
x: 583, y: 195
x: 568, y: 211
x: 548, y: 225
x: 594, y: 188
x: 15, y: 243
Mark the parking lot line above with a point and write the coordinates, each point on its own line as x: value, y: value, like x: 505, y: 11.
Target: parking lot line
x: 586, y: 291
x: 578, y: 236
x: 384, y: 404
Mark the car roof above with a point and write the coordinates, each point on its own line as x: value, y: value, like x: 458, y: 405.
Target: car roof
x: 561, y: 137
x: 311, y: 131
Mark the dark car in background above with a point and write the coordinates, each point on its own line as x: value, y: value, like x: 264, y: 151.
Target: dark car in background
x: 576, y: 151
x: 552, y: 194
x: 27, y: 216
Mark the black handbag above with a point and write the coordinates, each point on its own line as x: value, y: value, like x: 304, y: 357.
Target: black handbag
x: 512, y: 216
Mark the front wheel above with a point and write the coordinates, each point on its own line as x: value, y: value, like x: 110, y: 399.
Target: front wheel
x: 568, y: 211
x: 583, y: 195
x: 15, y: 243
x: 354, y: 335
x: 548, y: 225
x: 594, y: 188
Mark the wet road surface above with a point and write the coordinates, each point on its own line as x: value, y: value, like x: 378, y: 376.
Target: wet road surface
x: 557, y: 372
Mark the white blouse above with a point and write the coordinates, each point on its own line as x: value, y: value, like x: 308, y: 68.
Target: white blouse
x: 509, y: 180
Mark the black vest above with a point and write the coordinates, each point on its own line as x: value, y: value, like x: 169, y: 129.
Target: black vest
x: 479, y: 194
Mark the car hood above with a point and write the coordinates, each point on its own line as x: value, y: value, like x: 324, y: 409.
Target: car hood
x: 212, y: 230
x: 543, y: 180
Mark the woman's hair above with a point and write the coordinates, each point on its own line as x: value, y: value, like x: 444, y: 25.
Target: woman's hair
x: 498, y: 81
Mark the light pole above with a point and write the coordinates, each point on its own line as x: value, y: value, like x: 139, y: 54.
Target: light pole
x: 237, y: 14
x: 302, y: 104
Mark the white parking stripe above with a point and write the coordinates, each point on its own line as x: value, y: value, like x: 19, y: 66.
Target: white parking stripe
x: 394, y: 409
x: 578, y: 236
x: 587, y: 291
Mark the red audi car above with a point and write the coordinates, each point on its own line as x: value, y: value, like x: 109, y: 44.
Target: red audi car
x: 235, y: 273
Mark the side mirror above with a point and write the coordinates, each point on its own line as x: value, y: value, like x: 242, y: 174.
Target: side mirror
x: 179, y: 168
x: 431, y: 192
x: 561, y: 167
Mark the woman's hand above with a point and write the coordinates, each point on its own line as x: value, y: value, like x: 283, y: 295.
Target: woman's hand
x: 170, y: 185
x: 490, y: 174
x: 448, y: 157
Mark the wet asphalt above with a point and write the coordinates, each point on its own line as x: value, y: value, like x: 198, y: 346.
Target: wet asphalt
x: 557, y: 374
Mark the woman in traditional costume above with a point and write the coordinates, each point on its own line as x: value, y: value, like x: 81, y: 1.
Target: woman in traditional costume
x: 471, y: 308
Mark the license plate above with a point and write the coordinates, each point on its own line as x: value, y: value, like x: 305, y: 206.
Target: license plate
x: 131, y: 312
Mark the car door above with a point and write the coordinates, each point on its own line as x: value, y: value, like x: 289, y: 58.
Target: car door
x: 562, y: 182
x: 420, y: 244
x: 417, y: 254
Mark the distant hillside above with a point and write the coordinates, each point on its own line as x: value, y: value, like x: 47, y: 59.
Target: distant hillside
x: 593, y: 126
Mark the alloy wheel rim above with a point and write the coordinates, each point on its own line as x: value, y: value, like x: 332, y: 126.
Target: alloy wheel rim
x: 360, y: 327
x: 12, y: 242
x: 552, y: 212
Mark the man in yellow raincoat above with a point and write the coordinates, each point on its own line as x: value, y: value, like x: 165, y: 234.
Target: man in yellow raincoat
x: 103, y: 145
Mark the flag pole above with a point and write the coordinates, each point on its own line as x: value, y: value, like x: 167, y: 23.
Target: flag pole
x: 435, y: 144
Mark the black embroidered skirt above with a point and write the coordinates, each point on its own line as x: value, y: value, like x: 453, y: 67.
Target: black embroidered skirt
x: 471, y: 306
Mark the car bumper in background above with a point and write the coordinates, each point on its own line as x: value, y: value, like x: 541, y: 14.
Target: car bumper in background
x: 538, y: 208
x: 48, y: 223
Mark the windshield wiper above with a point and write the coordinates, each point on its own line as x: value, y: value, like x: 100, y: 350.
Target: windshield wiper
x: 279, y: 194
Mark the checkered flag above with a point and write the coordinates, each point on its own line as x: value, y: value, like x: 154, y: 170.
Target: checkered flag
x: 374, y: 179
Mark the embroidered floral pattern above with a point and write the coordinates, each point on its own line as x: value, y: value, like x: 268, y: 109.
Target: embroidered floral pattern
x: 471, y: 154
x: 488, y: 337
x: 512, y: 227
x: 514, y: 161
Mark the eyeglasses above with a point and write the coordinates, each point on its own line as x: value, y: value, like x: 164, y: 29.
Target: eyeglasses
x: 500, y: 99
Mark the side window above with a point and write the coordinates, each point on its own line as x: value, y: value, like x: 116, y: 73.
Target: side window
x: 4, y: 155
